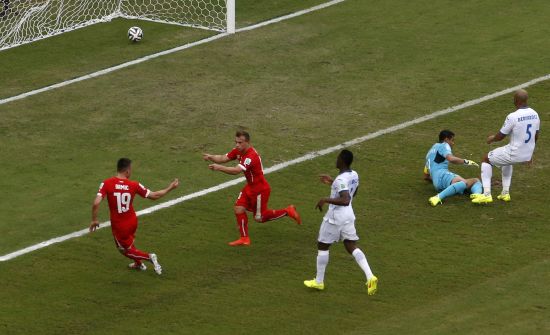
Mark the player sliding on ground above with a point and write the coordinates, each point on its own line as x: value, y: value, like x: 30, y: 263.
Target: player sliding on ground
x: 120, y: 192
x: 255, y: 195
x: 437, y: 170
x: 523, y: 126
x: 339, y: 223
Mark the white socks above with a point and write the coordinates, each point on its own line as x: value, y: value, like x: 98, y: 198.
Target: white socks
x: 361, y: 259
x: 507, y: 178
x: 486, y: 175
x: 322, y: 261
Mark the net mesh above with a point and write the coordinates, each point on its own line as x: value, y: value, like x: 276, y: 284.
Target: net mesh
x: 24, y: 21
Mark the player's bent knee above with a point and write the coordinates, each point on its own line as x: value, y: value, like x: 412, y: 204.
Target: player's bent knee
x: 239, y: 210
x: 458, y: 180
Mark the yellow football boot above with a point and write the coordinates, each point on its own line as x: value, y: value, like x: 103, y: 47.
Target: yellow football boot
x: 504, y: 197
x: 434, y: 201
x: 372, y: 285
x: 313, y: 284
x: 483, y: 199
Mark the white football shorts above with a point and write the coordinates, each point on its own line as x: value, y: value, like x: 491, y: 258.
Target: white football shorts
x: 331, y: 233
x: 502, y: 156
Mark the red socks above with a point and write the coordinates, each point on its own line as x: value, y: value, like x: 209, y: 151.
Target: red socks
x: 242, y: 224
x: 136, y: 255
x: 273, y: 214
x: 268, y: 215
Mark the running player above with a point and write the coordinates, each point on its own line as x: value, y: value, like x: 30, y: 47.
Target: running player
x: 339, y: 223
x: 437, y: 171
x: 523, y: 126
x: 120, y: 192
x: 255, y: 195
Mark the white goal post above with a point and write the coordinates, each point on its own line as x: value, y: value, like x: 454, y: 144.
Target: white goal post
x: 24, y: 21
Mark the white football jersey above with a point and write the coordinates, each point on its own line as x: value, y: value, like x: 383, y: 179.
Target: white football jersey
x: 521, y: 126
x: 346, y: 181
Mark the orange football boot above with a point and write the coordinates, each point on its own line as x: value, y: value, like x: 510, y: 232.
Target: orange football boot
x: 241, y: 241
x: 293, y: 213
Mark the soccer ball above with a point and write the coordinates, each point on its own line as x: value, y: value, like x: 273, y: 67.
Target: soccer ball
x: 135, y: 34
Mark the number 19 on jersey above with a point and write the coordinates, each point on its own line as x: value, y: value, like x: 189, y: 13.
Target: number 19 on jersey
x: 122, y: 201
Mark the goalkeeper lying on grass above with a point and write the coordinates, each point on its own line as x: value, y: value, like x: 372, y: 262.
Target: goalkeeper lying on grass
x: 437, y: 170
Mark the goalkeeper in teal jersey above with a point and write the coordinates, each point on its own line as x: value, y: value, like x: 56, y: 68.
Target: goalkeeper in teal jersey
x: 437, y: 170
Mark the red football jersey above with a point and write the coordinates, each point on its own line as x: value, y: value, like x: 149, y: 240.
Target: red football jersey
x: 120, y: 195
x: 251, y: 164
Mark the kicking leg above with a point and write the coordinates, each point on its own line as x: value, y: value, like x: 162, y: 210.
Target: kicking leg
x: 125, y: 246
x: 263, y: 214
x: 138, y: 255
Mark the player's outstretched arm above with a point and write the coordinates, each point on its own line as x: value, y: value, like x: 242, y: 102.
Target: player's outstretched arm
x: 159, y: 194
x: 457, y: 160
x: 95, y: 210
x: 215, y: 158
x: 225, y: 169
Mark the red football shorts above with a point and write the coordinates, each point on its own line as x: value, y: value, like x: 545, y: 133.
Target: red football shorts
x: 124, y: 234
x: 254, y: 201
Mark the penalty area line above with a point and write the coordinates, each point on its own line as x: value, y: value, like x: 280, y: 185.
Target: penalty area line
x: 281, y: 166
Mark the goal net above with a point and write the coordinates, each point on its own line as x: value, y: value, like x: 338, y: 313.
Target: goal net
x: 24, y: 21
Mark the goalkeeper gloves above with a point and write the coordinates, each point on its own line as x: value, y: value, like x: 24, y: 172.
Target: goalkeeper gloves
x: 467, y: 162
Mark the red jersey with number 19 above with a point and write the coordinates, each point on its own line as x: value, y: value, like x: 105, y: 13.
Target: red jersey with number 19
x: 120, y: 195
x: 251, y: 164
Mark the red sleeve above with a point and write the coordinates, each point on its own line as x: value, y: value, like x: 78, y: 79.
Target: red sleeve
x: 233, y: 154
x: 249, y: 163
x: 142, y: 191
x: 102, y: 190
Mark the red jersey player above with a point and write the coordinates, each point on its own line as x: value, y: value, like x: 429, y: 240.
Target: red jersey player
x: 120, y: 192
x: 255, y: 195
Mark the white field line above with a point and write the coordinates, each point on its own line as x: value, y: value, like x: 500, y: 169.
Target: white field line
x: 286, y: 164
x: 163, y: 53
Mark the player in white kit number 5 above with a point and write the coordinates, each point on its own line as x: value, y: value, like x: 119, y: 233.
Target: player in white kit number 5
x: 339, y: 223
x: 523, y: 127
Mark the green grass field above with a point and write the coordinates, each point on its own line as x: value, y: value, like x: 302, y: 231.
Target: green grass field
x: 300, y: 85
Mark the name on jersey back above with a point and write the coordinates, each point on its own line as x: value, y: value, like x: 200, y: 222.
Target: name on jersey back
x: 527, y: 118
x: 122, y: 187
